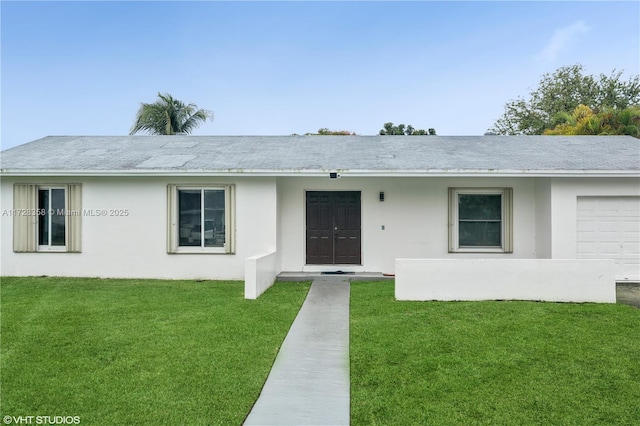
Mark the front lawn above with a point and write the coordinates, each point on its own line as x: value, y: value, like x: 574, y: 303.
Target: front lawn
x: 139, y: 351
x: 491, y: 363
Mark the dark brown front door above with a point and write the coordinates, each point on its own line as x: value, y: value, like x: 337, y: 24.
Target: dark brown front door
x: 333, y: 227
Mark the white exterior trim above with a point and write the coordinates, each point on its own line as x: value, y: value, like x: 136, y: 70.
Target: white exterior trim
x: 506, y: 229
x: 173, y: 244
x: 325, y: 173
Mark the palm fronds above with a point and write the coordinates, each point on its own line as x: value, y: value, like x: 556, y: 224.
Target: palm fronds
x: 169, y: 116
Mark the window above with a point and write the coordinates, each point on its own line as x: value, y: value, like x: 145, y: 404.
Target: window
x: 51, y: 219
x: 480, y: 220
x: 46, y: 218
x: 201, y: 219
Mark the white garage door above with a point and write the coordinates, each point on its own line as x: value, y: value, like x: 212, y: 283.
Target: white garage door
x: 609, y: 228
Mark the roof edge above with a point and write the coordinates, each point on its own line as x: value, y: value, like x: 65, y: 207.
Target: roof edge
x: 325, y: 173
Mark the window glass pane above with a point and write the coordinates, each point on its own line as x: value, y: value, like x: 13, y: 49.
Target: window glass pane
x: 189, y: 216
x: 57, y: 217
x: 214, y: 223
x: 480, y: 234
x: 43, y: 219
x: 479, y: 207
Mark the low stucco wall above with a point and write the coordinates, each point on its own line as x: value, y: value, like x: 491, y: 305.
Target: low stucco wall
x: 260, y: 274
x: 553, y: 280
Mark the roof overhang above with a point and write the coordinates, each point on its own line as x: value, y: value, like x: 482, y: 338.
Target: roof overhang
x: 325, y: 173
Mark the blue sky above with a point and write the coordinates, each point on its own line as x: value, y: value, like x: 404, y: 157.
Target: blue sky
x: 277, y: 68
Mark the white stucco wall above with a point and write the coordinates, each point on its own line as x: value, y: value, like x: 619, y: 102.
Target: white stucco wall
x: 543, y: 218
x: 270, y: 217
x: 260, y: 273
x: 552, y: 280
x: 414, y: 214
x: 135, y: 245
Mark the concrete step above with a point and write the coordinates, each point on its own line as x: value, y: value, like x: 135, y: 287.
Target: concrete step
x: 351, y: 276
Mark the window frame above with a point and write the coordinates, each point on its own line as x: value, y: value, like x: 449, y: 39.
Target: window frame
x: 48, y: 247
x: 506, y: 223
x: 173, y: 217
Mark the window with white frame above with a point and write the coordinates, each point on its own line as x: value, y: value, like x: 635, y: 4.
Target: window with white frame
x: 46, y: 218
x: 51, y: 219
x: 480, y: 220
x: 201, y: 219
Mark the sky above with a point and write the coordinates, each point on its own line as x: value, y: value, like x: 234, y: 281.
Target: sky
x: 278, y: 68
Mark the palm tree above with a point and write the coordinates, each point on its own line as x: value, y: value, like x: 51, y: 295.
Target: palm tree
x: 168, y: 116
x: 608, y: 121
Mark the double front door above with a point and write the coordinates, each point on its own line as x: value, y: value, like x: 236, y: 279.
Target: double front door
x: 333, y: 227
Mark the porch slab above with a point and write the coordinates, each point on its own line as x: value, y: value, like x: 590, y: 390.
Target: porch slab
x: 349, y: 276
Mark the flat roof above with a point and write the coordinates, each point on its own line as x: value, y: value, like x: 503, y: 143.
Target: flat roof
x: 318, y: 155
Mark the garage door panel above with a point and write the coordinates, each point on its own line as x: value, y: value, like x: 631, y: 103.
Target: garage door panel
x: 585, y: 248
x: 631, y: 209
x: 587, y: 205
x: 611, y: 249
x: 631, y: 237
x: 630, y: 258
x: 587, y: 226
x: 609, y: 228
x: 605, y: 238
x: 587, y: 235
x: 632, y: 249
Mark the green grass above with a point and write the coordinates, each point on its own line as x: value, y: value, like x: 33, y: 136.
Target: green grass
x: 491, y: 363
x: 139, y: 351
x: 185, y: 352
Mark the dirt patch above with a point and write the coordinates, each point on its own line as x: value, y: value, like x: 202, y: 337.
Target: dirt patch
x: 628, y: 293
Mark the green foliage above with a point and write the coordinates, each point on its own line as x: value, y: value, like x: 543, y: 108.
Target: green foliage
x: 563, y: 91
x: 491, y: 363
x: 139, y: 352
x: 585, y: 121
x: 326, y: 132
x: 169, y: 116
x: 401, y: 129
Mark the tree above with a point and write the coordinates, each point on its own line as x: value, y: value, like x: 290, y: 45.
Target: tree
x: 169, y: 116
x: 609, y: 121
x: 401, y: 129
x: 563, y: 91
x: 326, y: 132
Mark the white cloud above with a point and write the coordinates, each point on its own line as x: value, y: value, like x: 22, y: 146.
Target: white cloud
x: 562, y: 38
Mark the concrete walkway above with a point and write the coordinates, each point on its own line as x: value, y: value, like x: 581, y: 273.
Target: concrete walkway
x: 309, y: 381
